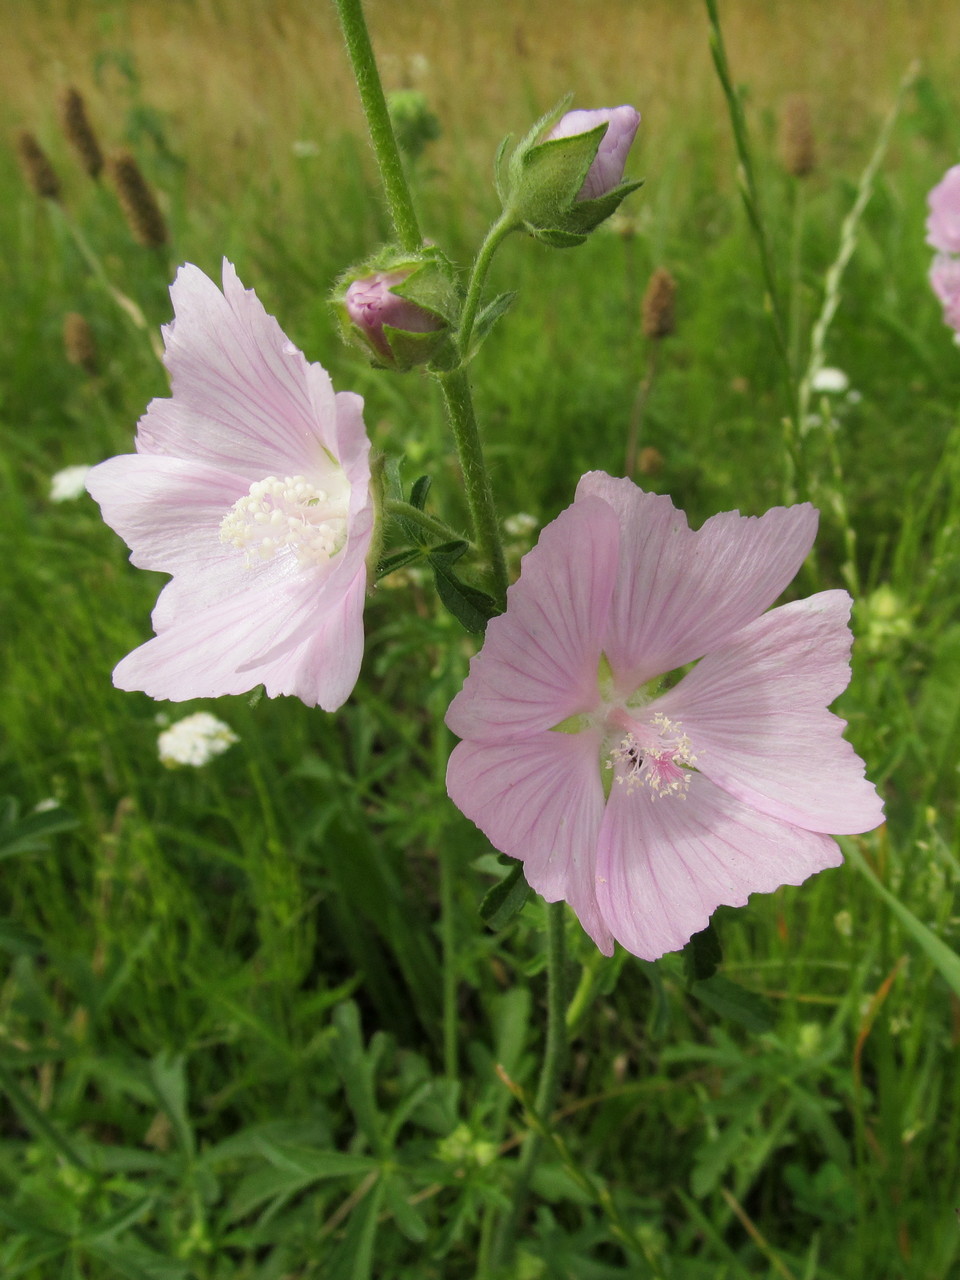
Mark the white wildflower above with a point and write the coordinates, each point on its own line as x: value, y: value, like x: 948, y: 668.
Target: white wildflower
x: 195, y: 740
x: 68, y: 484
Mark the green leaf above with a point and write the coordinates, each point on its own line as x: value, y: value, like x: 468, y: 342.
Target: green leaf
x: 489, y: 316
x: 702, y: 955
x: 399, y: 560
x: 470, y: 606
x: 169, y: 1081
x: 17, y: 940
x: 353, y: 1260
x: 418, y: 494
x: 30, y: 834
x: 290, y: 1170
x: 944, y: 960
x: 505, y: 900
x: 735, y: 1003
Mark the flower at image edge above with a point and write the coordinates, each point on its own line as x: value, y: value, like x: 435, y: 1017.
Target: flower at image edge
x: 251, y: 487
x: 645, y: 806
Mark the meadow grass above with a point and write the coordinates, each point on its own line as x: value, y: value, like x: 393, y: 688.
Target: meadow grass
x: 251, y: 1023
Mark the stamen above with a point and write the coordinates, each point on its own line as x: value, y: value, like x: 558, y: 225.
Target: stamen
x: 652, y: 755
x: 289, y: 513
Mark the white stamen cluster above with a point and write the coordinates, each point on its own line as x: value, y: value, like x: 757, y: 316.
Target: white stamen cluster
x: 655, y: 759
x: 289, y: 513
x: 195, y: 740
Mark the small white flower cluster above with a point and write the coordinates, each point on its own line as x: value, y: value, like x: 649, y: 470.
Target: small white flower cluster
x: 195, y: 740
x: 68, y: 484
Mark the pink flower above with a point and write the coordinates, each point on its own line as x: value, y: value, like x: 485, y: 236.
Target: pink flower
x: 251, y: 486
x: 606, y: 172
x: 945, y: 279
x: 943, y: 222
x: 370, y: 305
x: 645, y: 806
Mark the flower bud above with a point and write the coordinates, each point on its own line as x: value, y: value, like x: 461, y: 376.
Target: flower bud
x: 606, y: 172
x: 566, y: 176
x: 400, y: 310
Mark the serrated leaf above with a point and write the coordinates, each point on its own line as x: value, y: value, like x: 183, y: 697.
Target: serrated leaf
x: 735, y: 1003
x: 505, y: 900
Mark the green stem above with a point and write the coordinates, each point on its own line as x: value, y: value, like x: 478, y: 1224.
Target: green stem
x: 554, y: 1060
x: 385, y: 148
x: 429, y: 524
x: 476, y: 479
x: 481, y: 265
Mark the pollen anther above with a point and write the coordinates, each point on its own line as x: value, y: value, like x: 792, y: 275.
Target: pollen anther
x: 292, y: 514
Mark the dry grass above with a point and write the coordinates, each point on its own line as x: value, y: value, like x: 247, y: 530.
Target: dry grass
x: 240, y: 80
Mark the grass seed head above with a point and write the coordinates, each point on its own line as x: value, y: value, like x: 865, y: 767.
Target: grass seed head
x: 39, y: 174
x: 79, y: 132
x: 137, y: 201
x: 79, y: 343
x: 658, y: 313
x: 798, y: 150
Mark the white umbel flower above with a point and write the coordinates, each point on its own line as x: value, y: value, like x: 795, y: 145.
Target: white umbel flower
x: 68, y: 484
x: 195, y: 740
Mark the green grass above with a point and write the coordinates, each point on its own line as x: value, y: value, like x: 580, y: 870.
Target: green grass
x: 251, y: 1020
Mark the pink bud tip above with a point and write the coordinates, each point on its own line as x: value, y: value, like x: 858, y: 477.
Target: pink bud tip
x: 606, y: 172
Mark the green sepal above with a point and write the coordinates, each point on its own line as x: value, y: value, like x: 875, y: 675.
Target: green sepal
x: 505, y: 900
x: 545, y: 178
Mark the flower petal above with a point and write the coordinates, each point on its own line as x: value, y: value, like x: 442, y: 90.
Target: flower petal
x: 228, y: 647
x: 755, y: 712
x: 665, y: 864
x: 540, y: 659
x: 167, y: 510
x: 539, y: 800
x: 680, y: 592
x: 240, y: 387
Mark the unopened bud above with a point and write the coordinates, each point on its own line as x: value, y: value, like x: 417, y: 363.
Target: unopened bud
x: 400, y: 308
x: 797, y: 148
x: 606, y: 172
x: 38, y: 172
x: 658, y: 313
x: 137, y: 201
x: 79, y: 132
x: 565, y: 178
x: 79, y: 343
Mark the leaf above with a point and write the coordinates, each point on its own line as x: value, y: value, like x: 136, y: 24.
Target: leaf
x: 353, y: 1260
x: 17, y: 940
x: 418, y: 494
x: 944, y: 960
x: 489, y: 316
x: 289, y: 1171
x: 505, y: 900
x: 399, y: 560
x: 169, y: 1081
x: 735, y: 1003
x: 470, y: 606
x: 702, y: 954
x: 30, y: 834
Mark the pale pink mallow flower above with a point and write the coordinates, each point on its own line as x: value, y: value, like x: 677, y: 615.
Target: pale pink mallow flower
x: 646, y: 806
x: 606, y: 172
x: 943, y: 221
x: 251, y: 486
x: 371, y: 304
x: 945, y: 279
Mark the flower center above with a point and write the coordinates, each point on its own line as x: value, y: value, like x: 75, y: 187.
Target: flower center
x: 651, y: 755
x: 289, y: 514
